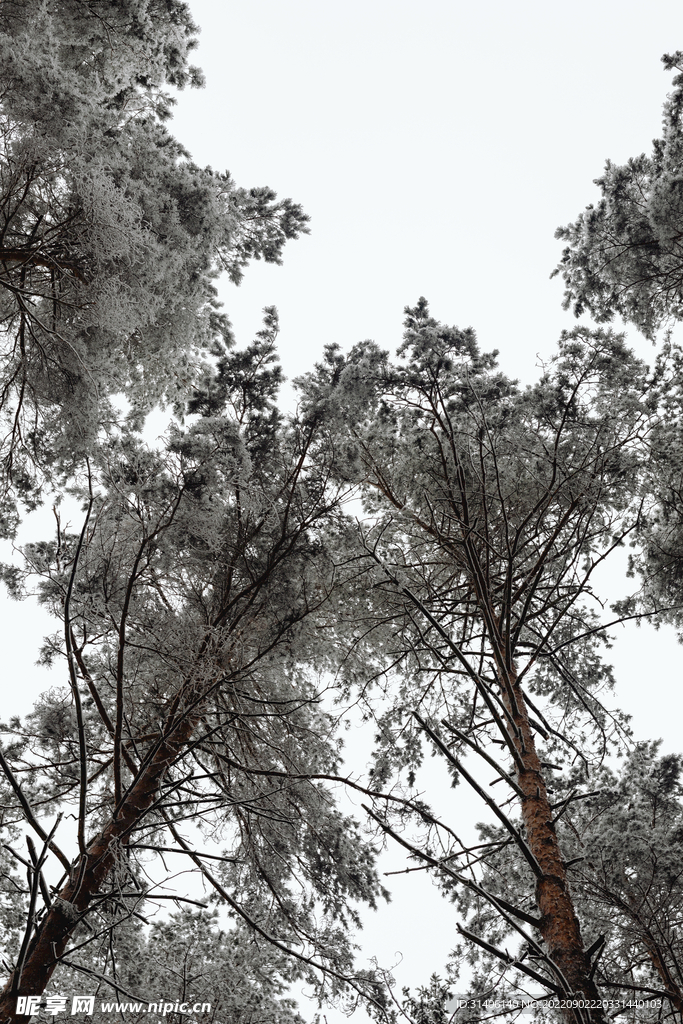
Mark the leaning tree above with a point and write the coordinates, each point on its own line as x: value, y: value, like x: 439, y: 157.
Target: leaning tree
x: 188, y: 604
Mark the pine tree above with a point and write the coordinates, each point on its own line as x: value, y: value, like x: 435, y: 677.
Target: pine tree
x: 191, y: 959
x: 189, y: 605
x: 489, y: 509
x: 624, y: 255
x: 629, y: 880
x: 110, y: 237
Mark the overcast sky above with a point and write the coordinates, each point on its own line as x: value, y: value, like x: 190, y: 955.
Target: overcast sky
x: 436, y: 146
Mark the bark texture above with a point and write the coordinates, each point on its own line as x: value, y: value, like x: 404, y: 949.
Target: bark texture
x: 88, y: 878
x: 559, y: 924
x: 673, y: 990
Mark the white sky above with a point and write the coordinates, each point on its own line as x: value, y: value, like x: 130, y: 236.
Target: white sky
x: 436, y: 147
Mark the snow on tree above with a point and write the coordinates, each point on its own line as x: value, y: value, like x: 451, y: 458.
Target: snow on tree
x: 629, y: 881
x: 489, y: 509
x: 110, y: 237
x: 624, y: 255
x: 215, y: 580
x: 189, y: 604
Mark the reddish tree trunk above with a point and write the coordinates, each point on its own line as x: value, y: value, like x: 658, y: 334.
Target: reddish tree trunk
x: 50, y: 941
x: 559, y: 924
x: 660, y: 965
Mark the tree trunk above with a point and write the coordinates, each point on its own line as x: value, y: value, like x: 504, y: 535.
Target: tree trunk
x: 660, y: 965
x: 50, y: 941
x: 559, y: 924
